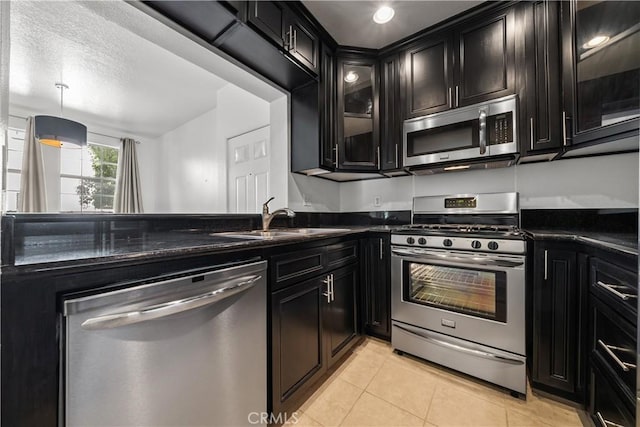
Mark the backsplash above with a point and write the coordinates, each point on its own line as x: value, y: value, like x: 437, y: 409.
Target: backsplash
x: 600, y: 220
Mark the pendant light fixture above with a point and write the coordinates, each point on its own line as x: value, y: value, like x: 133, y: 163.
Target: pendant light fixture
x: 59, y: 132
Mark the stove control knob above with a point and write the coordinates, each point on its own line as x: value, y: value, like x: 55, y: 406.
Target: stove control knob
x: 493, y: 245
x: 411, y: 240
x: 447, y: 242
x: 476, y: 244
x: 422, y: 241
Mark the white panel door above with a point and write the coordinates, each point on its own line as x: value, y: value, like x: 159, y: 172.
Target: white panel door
x: 248, y: 171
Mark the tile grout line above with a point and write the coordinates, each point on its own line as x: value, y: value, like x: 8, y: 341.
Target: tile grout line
x: 430, y: 403
x: 364, y: 390
x: 352, y: 406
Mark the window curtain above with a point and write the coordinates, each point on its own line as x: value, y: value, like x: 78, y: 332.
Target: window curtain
x: 128, y: 198
x: 33, y: 191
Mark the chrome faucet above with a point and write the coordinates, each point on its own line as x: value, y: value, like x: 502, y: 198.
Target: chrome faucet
x: 268, y: 217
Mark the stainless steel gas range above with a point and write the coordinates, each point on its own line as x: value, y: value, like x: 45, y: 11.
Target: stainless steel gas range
x: 458, y: 286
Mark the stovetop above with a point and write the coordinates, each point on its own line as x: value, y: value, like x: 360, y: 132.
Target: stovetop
x: 466, y: 230
x: 469, y: 222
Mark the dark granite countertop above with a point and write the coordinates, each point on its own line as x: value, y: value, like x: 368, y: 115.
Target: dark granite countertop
x: 626, y: 243
x: 67, y: 251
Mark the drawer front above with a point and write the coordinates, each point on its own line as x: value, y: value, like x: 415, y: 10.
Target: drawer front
x: 616, y: 286
x: 614, y: 343
x: 294, y: 267
x: 607, y: 406
x: 342, y: 254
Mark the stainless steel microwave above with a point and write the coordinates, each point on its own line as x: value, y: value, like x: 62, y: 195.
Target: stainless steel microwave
x: 475, y: 132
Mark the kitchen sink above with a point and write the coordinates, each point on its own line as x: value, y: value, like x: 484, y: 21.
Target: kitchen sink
x: 279, y: 234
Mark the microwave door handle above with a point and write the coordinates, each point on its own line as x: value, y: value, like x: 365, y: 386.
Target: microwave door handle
x: 483, y: 132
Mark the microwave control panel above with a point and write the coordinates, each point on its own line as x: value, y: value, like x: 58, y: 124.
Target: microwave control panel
x: 500, y: 128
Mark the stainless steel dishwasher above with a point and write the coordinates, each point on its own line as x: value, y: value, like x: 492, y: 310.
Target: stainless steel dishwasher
x: 181, y: 352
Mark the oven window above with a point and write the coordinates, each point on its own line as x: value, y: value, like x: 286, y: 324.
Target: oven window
x: 457, y: 136
x: 475, y: 292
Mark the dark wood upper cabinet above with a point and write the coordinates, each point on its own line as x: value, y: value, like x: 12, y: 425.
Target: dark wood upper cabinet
x: 601, y: 70
x: 429, y: 76
x: 268, y: 17
x: 390, y: 114
x: 485, y: 59
x: 542, y: 106
x: 287, y: 30
x: 301, y: 42
x: 327, y: 107
x: 469, y: 63
x: 357, y: 115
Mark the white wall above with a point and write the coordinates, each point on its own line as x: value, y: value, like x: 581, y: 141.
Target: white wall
x: 185, y: 172
x: 279, y: 137
x: 594, y: 182
x: 591, y: 182
x: 321, y: 195
x: 179, y: 175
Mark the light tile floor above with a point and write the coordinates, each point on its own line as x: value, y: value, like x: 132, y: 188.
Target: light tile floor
x: 376, y: 387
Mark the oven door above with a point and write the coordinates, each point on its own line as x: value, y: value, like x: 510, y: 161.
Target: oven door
x: 472, y: 296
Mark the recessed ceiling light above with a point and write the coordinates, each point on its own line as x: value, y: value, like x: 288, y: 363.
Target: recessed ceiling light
x: 383, y: 15
x: 351, y: 77
x: 596, y: 41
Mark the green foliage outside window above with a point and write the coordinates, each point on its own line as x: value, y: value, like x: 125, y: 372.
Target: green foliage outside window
x: 98, y: 190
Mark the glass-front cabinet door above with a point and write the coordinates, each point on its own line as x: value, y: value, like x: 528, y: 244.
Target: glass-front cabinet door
x: 358, y: 135
x: 604, y: 80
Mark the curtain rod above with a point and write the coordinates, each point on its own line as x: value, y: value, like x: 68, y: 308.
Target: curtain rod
x: 93, y: 133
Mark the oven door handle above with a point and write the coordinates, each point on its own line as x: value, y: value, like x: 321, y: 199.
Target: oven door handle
x: 459, y: 260
x: 471, y: 351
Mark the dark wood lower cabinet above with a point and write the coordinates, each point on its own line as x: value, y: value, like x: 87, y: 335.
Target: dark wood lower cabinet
x: 559, y: 298
x: 313, y: 324
x: 376, y: 286
x: 297, y: 339
x: 340, y: 323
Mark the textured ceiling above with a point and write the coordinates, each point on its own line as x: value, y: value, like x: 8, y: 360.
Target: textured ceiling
x: 117, y: 79
x: 351, y: 23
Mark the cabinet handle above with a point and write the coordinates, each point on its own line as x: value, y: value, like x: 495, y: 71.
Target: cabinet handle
x: 609, y: 349
x: 457, y: 96
x: 396, y: 155
x: 612, y: 289
x: 337, y: 164
x: 564, y: 128
x: 378, y: 154
x: 450, y: 98
x: 290, y: 33
x: 546, y: 264
x: 606, y: 423
x: 327, y: 294
x: 295, y: 40
x: 531, y: 132
x: 333, y: 295
x: 381, y: 249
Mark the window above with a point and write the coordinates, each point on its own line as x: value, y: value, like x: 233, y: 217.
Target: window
x: 87, y: 176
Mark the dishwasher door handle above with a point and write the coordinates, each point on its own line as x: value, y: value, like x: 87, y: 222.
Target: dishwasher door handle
x: 172, y: 307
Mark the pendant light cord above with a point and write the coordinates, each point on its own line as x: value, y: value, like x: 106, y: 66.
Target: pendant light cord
x: 62, y: 87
